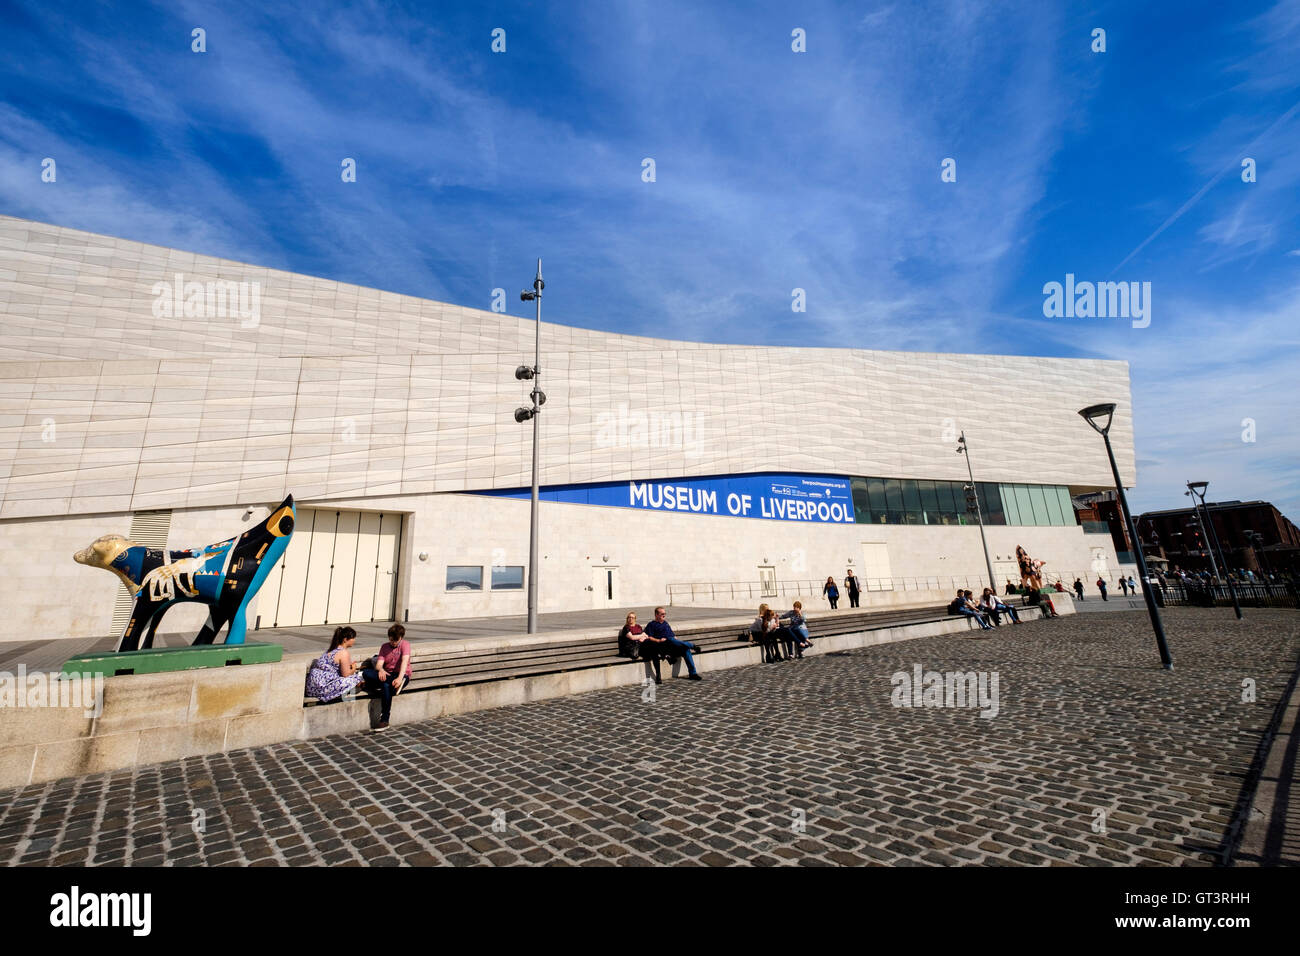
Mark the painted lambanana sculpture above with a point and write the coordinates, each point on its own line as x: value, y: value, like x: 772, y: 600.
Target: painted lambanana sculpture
x: 225, y: 576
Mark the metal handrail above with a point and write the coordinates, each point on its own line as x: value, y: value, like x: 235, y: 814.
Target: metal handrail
x: 975, y: 581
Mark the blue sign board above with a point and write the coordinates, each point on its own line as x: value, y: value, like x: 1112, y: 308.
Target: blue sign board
x: 823, y: 499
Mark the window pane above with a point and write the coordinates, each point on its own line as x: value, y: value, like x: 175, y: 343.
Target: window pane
x: 1054, y: 515
x: 943, y: 490
x: 1067, y: 506
x: 912, y: 501
x: 992, y: 502
x: 929, y: 502
x: 464, y: 578
x: 1009, y: 508
x: 894, y: 498
x: 1039, y: 503
x: 876, y: 496
x: 894, y: 494
x: 861, y: 506
x: 911, y: 495
x: 510, y: 578
x: 1024, y: 505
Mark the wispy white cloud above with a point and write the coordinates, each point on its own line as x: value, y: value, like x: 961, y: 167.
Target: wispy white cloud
x: 775, y: 170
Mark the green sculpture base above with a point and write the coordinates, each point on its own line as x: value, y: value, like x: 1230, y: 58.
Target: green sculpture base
x: 158, y: 660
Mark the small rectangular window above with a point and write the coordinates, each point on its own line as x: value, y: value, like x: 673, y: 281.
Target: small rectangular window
x: 508, y: 578
x: 464, y: 578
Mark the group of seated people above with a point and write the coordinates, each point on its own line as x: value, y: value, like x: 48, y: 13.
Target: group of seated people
x: 986, y: 608
x: 335, y: 675
x: 783, y: 637
x: 654, y: 642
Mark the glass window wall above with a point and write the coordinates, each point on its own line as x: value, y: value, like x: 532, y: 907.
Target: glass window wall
x: 923, y: 501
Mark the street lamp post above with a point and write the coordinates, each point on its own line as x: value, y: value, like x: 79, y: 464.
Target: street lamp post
x: 964, y: 449
x: 523, y: 373
x: 1197, y: 490
x: 1093, y: 414
x: 1200, y: 523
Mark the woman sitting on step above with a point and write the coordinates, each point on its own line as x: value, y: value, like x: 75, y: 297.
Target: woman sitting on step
x: 795, y: 620
x: 334, y: 673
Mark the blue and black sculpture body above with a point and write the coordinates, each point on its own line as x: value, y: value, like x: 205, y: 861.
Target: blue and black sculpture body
x: 225, y: 576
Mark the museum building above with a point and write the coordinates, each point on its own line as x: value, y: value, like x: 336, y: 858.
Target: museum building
x: 176, y: 399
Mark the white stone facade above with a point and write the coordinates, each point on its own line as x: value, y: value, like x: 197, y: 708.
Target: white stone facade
x: 361, y: 399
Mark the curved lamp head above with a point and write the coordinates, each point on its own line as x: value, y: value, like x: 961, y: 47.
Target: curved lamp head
x: 1198, y: 487
x: 1099, y: 416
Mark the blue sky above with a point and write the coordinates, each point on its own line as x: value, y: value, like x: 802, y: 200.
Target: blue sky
x: 774, y: 170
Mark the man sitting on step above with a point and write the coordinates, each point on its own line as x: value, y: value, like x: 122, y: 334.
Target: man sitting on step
x: 663, y: 639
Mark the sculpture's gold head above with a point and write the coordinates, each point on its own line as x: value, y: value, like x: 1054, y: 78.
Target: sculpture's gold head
x: 103, y: 551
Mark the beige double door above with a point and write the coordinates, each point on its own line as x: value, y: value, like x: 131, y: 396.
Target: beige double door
x: 340, y: 568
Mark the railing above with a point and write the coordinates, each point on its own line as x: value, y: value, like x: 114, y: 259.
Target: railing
x: 1249, y: 595
x: 751, y: 592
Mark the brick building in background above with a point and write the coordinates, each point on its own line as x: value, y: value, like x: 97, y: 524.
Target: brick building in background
x: 1176, y: 535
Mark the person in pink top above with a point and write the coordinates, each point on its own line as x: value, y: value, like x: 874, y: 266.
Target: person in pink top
x: 391, y: 673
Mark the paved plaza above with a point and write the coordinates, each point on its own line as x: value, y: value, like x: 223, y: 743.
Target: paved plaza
x: 1095, y: 757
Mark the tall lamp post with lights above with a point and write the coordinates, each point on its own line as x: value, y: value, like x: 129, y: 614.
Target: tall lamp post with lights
x: 524, y: 373
x: 1257, y: 545
x: 1099, y: 417
x: 1205, y: 536
x: 1197, y: 490
x: 972, y: 497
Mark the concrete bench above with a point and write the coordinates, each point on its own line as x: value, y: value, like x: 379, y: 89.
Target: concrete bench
x: 432, y: 669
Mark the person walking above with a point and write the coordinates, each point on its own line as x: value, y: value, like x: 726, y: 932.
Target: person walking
x: 1101, y: 586
x: 1123, y: 585
x: 1132, y: 587
x: 851, y: 585
x: 831, y: 592
x: 1078, y: 588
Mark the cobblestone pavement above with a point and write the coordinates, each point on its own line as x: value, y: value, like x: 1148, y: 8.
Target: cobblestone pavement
x: 793, y: 763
